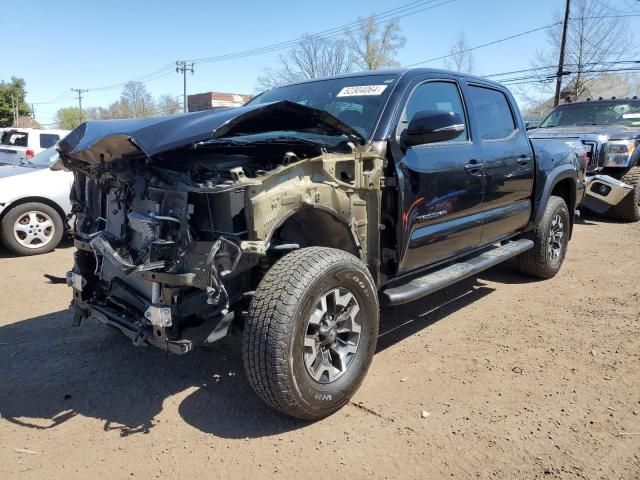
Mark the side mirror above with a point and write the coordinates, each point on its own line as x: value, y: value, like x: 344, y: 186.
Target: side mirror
x: 432, y: 126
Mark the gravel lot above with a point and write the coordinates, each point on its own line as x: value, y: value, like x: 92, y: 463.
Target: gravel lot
x: 517, y: 379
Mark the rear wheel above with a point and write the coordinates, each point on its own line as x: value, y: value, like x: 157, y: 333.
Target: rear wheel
x: 550, y: 241
x: 629, y: 208
x: 31, y: 228
x: 311, y: 332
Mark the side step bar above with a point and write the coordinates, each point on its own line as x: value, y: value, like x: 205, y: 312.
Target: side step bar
x: 423, y: 286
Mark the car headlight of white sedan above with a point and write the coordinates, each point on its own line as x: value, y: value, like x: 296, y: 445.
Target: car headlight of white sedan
x: 618, y: 153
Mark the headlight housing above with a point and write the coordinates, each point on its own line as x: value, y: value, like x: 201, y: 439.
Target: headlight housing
x: 618, y: 153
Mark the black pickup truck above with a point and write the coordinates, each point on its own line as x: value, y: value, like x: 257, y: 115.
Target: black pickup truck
x: 610, y: 129
x: 293, y: 217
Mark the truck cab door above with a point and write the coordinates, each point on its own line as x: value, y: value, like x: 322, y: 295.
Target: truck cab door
x: 440, y: 184
x: 508, y: 162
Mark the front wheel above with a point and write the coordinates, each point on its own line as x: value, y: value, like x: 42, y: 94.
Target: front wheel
x: 550, y: 241
x: 311, y: 332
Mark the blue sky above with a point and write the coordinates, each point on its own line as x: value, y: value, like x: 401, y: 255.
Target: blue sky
x: 85, y: 44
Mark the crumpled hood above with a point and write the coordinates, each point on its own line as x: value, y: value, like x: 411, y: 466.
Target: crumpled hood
x: 615, y: 132
x: 12, y: 170
x: 108, y: 140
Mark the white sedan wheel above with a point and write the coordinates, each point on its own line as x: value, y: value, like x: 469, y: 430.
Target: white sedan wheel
x: 34, y: 229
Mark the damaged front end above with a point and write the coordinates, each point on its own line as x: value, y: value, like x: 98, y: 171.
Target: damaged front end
x: 177, y: 218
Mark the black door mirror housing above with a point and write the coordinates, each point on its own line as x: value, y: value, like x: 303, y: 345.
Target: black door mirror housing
x: 432, y: 126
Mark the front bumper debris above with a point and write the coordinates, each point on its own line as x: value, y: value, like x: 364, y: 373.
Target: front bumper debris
x: 75, y: 281
x: 159, y: 316
x: 604, y: 192
x: 134, y: 329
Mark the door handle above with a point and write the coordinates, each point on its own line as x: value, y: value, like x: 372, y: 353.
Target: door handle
x: 473, y: 167
x: 523, y: 160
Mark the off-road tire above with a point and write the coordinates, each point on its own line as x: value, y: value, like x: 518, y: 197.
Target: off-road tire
x: 628, y: 209
x: 9, y: 219
x: 536, y: 261
x: 273, y: 338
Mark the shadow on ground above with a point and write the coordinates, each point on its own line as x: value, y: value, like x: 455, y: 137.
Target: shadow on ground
x: 588, y: 217
x: 52, y: 372
x: 65, y: 243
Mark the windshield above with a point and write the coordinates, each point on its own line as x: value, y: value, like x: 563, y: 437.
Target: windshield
x: 357, y: 101
x: 596, y: 113
x: 44, y: 158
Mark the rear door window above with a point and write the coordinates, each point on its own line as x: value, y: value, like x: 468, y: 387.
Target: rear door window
x: 494, y: 117
x: 15, y: 138
x: 48, y: 139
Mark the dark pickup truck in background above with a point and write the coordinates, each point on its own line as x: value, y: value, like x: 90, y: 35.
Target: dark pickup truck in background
x: 291, y: 218
x: 610, y: 129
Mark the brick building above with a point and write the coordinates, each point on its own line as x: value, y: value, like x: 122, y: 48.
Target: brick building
x: 213, y: 100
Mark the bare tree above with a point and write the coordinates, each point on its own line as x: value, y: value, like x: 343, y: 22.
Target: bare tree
x: 375, y: 46
x: 137, y: 99
x: 460, y: 59
x: 168, y: 105
x: 313, y: 57
x: 595, y: 40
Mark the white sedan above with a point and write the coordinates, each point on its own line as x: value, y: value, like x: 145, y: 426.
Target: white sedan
x: 34, y: 204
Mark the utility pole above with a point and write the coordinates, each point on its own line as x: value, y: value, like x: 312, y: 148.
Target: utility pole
x: 184, y: 67
x: 80, y: 91
x: 560, y: 73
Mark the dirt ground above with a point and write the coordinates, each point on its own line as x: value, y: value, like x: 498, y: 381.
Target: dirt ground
x: 520, y: 379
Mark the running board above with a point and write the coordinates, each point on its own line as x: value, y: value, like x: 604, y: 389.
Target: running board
x: 433, y: 282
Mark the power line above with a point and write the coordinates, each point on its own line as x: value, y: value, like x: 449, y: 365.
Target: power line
x: 510, y: 37
x: 59, y: 98
x: 407, y: 9
x: 410, y: 8
x: 553, y: 66
x: 159, y: 73
x: 402, y: 11
x: 531, y: 79
x: 64, y: 97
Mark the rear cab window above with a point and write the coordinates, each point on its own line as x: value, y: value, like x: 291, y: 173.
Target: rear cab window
x: 48, y: 139
x: 15, y: 138
x: 494, y: 117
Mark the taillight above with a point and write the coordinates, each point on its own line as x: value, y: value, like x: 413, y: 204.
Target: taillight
x: 585, y: 156
x: 30, y: 154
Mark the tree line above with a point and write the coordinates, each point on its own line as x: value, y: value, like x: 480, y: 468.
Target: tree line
x: 134, y: 102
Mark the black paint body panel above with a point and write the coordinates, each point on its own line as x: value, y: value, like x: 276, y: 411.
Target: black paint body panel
x: 447, y: 210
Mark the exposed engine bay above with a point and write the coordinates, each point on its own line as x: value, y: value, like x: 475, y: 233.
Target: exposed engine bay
x: 171, y: 244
